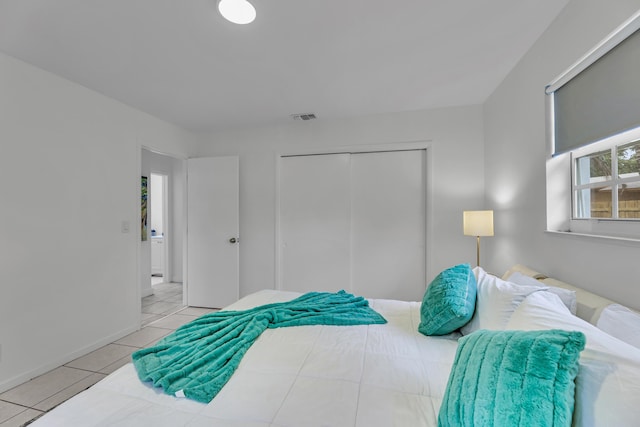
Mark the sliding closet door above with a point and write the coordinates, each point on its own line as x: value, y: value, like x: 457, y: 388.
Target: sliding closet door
x: 315, y: 223
x: 354, y: 222
x: 388, y: 224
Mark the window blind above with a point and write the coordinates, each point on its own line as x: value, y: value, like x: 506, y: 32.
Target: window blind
x: 600, y: 101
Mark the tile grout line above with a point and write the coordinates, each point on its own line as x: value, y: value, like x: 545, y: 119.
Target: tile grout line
x: 61, y: 390
x: 16, y: 404
x: 26, y: 408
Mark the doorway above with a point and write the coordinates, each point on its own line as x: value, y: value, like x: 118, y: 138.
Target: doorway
x: 161, y: 272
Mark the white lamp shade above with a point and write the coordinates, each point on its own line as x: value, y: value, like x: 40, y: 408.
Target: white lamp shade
x: 237, y: 11
x: 478, y: 223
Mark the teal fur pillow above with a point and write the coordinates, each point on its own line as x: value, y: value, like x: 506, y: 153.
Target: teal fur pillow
x: 449, y: 301
x: 513, y: 379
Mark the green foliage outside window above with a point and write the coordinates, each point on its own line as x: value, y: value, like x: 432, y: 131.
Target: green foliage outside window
x: 628, y: 161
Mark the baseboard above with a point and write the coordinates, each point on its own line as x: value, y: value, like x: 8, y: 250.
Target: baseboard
x: 29, y: 375
x: 146, y: 292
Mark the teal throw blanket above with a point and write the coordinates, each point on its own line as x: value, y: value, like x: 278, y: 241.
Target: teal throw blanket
x: 200, y: 357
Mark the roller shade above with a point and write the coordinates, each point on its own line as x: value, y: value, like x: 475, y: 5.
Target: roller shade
x: 600, y: 101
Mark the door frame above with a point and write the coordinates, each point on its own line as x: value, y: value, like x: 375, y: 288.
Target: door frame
x: 425, y: 145
x: 138, y: 228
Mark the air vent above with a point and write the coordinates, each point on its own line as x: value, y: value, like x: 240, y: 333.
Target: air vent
x: 305, y: 116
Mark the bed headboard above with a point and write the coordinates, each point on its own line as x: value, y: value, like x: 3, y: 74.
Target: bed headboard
x: 590, y: 305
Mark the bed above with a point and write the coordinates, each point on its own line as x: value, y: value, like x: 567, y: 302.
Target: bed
x: 370, y: 375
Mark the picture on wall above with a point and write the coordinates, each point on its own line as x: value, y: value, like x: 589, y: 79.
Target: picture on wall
x: 144, y: 187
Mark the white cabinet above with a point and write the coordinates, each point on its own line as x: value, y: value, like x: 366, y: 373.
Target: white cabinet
x: 157, y: 255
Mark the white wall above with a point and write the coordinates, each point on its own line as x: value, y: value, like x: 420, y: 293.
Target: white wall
x: 69, y: 177
x: 515, y: 159
x: 457, y: 177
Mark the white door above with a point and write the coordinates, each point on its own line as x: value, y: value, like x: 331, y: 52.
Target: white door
x: 212, y: 231
x: 354, y: 222
x: 315, y: 223
x: 388, y: 225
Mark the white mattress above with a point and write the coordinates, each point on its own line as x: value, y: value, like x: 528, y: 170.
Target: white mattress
x: 374, y: 375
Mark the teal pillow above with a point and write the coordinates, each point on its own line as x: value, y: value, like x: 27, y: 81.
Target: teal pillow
x: 449, y: 301
x: 513, y: 379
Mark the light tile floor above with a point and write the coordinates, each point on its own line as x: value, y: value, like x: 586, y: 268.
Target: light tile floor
x: 166, y: 299
x: 26, y: 402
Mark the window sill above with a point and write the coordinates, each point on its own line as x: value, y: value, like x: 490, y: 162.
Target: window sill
x: 627, y: 240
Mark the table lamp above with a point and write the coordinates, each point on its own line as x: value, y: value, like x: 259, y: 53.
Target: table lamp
x: 478, y: 223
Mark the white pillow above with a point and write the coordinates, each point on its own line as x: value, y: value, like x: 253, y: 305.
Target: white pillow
x: 496, y: 300
x: 622, y: 323
x: 608, y: 383
x: 567, y: 296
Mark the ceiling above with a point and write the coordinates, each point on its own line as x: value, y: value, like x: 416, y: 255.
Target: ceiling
x: 182, y: 62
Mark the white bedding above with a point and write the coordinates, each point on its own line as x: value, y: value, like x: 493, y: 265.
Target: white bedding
x: 375, y: 375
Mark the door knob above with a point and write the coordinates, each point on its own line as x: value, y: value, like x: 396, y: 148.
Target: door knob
x: 233, y: 240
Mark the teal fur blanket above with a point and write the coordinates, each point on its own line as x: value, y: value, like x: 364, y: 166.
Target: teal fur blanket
x: 200, y: 357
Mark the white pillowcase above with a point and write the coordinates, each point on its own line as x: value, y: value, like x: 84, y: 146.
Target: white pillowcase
x: 608, y: 383
x: 496, y: 300
x: 622, y: 323
x: 567, y: 296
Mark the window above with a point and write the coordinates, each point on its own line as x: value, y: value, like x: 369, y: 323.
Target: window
x: 606, y: 183
x: 593, y: 174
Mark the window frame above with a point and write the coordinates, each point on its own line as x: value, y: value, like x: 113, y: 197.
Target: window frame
x: 611, y: 145
x: 614, y: 226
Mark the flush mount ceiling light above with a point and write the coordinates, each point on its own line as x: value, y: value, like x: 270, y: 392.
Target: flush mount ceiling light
x: 237, y: 11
